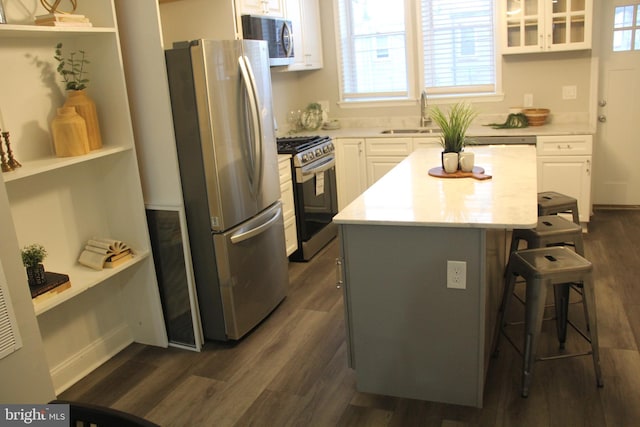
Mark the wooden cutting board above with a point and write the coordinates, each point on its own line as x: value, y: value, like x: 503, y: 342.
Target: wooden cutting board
x: 477, y: 173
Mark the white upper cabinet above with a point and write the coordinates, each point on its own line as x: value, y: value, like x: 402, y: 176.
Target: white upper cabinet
x: 545, y: 25
x: 307, y: 35
x: 261, y: 7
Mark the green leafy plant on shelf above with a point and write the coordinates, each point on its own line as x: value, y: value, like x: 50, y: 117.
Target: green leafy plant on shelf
x: 32, y: 257
x: 72, y: 68
x: 454, y: 125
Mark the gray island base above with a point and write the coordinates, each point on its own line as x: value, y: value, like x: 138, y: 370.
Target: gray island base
x: 409, y: 334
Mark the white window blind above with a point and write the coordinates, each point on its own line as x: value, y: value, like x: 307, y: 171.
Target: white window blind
x: 458, y: 46
x: 9, y: 338
x: 373, y: 49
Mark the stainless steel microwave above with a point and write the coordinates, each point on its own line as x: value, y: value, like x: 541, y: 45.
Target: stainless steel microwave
x: 275, y: 31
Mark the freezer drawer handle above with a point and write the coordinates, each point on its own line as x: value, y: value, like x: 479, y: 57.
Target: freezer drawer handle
x: 241, y: 237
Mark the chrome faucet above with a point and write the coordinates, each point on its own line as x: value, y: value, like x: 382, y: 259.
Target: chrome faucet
x: 425, y: 120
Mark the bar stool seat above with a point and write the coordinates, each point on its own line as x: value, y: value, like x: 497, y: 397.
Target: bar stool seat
x: 551, y: 203
x: 555, y: 266
x: 550, y: 230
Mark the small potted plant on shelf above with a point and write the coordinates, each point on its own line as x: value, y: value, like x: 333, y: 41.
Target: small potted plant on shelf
x: 73, y: 70
x: 454, y: 127
x: 32, y: 256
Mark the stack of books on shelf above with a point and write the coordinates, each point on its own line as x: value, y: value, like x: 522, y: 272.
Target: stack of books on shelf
x: 56, y: 282
x: 62, y: 20
x: 102, y: 253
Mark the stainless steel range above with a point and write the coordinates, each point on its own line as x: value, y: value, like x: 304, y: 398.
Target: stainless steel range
x: 314, y: 191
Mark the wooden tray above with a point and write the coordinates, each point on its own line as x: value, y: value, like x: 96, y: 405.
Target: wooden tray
x: 477, y: 173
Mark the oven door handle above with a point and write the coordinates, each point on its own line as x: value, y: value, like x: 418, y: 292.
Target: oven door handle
x: 323, y: 165
x: 305, y: 173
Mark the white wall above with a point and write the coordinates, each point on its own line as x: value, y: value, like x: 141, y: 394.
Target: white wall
x: 542, y: 75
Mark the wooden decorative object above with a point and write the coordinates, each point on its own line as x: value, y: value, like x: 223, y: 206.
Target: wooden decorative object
x: 69, y: 133
x: 86, y: 108
x: 13, y: 163
x: 477, y: 173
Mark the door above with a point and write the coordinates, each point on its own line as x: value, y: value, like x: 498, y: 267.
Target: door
x: 351, y: 170
x: 238, y: 151
x: 253, y: 270
x: 616, y: 174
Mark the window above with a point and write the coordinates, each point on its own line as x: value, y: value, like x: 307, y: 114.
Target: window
x: 458, y: 46
x: 373, y: 46
x: 625, y: 28
x: 378, y: 51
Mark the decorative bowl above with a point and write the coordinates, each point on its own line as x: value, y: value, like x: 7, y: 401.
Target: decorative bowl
x: 536, y: 116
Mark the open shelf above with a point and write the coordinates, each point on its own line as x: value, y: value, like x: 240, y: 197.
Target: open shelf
x: 82, y: 278
x: 36, y: 167
x: 12, y: 30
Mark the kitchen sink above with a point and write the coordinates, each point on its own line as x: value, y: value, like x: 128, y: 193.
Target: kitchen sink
x: 401, y: 131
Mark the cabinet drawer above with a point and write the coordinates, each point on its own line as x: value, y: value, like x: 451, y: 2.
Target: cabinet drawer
x: 570, y: 145
x: 284, y: 167
x: 290, y: 235
x: 286, y: 197
x: 388, y: 146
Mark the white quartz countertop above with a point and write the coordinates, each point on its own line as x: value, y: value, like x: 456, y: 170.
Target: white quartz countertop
x: 409, y: 196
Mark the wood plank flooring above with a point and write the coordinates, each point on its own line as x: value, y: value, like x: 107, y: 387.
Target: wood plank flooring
x: 292, y: 370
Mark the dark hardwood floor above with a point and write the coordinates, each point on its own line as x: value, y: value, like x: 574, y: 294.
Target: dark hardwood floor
x: 292, y: 370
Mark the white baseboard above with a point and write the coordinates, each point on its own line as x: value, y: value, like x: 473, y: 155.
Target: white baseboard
x: 76, y: 367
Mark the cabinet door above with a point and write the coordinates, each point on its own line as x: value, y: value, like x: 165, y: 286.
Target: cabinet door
x: 307, y: 35
x: 568, y: 24
x: 570, y: 175
x: 522, y: 25
x: 288, y: 208
x: 351, y: 172
x: 546, y: 25
x: 261, y: 7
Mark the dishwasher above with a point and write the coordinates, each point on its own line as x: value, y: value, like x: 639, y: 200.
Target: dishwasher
x: 501, y: 140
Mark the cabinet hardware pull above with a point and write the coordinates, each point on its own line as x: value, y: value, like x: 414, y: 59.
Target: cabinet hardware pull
x: 339, y: 281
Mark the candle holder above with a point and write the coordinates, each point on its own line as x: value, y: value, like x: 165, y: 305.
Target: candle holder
x: 3, y: 160
x: 12, y: 162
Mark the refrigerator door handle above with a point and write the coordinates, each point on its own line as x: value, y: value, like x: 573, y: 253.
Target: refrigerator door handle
x: 252, y: 93
x: 242, y: 235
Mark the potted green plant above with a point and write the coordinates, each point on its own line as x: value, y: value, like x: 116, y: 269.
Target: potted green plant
x: 32, y: 256
x: 454, y: 127
x: 72, y: 69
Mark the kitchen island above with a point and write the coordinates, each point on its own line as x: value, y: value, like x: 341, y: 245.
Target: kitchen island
x: 409, y: 334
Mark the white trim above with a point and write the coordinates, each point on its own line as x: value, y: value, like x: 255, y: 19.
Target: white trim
x: 80, y: 364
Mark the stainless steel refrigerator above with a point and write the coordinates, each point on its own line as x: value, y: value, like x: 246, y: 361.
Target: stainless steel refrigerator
x: 224, y: 128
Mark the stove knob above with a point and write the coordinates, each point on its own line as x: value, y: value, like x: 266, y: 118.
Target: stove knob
x: 331, y: 147
x: 325, y: 149
x: 305, y: 158
x: 318, y: 152
x: 310, y: 155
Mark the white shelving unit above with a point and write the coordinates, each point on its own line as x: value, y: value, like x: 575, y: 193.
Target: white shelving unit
x: 62, y: 202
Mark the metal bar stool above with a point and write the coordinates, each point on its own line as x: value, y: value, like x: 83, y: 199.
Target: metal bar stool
x: 551, y: 230
x: 551, y: 203
x: 555, y: 266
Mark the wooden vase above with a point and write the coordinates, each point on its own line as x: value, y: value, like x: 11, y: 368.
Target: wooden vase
x: 86, y: 108
x: 69, y: 133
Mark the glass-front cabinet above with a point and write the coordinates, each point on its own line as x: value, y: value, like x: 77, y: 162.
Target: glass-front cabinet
x: 546, y: 25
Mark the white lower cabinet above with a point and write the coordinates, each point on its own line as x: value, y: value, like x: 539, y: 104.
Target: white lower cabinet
x: 564, y: 166
x: 288, y: 207
x: 351, y: 169
x: 383, y: 154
